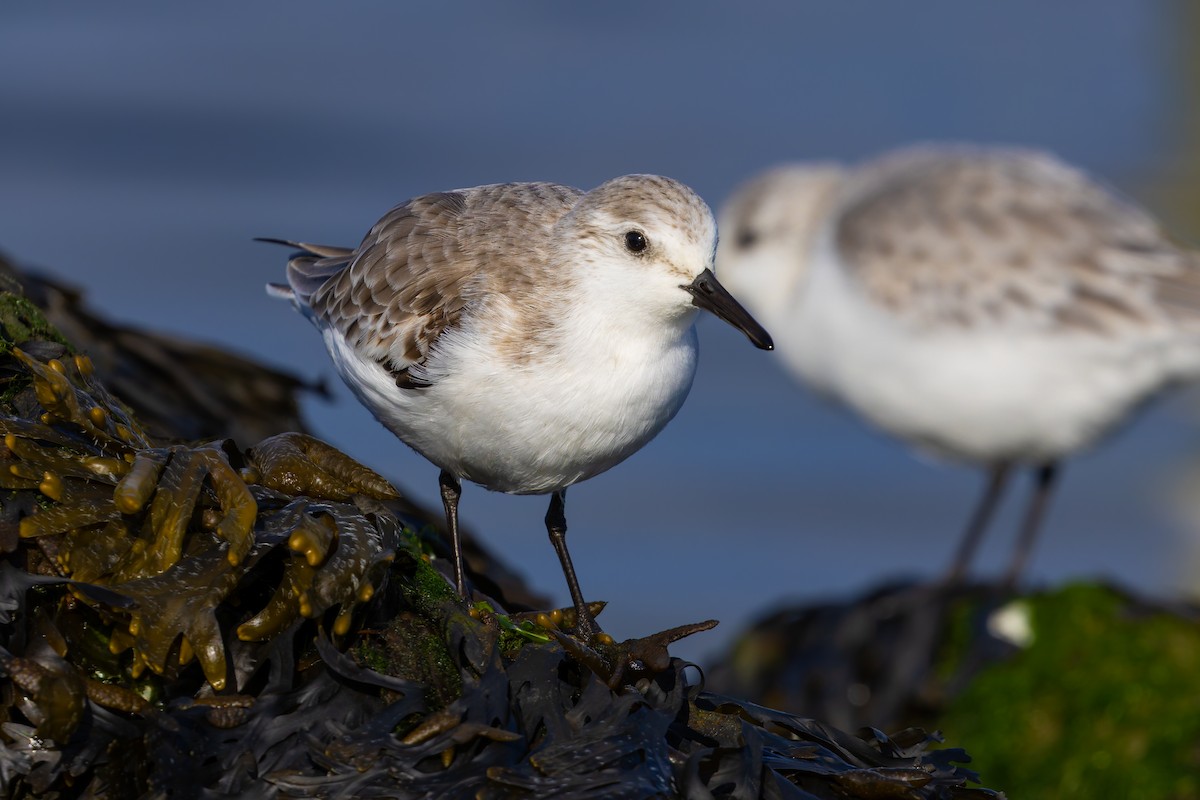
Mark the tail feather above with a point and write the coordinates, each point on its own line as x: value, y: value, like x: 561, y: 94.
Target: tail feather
x: 280, y: 290
x: 307, y: 270
x: 323, y: 250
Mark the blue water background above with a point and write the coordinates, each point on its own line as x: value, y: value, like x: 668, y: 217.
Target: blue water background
x: 143, y: 145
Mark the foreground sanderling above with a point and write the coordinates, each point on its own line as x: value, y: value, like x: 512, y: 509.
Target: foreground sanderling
x: 522, y: 336
x: 993, y: 306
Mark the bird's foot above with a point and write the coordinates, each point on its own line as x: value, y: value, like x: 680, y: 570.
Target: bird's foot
x: 624, y: 663
x: 616, y: 663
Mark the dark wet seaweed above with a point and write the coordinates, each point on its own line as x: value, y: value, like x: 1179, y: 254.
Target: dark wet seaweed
x: 366, y: 677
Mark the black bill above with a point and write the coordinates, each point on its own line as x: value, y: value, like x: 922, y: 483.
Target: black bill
x: 710, y: 295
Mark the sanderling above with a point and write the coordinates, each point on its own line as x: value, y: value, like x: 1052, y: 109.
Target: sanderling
x: 522, y: 336
x: 994, y: 306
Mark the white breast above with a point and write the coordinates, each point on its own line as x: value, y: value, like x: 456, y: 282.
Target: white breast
x: 536, y: 425
x: 981, y: 395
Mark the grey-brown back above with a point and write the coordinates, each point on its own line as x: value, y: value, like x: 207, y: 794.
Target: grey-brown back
x: 426, y: 261
x: 959, y: 237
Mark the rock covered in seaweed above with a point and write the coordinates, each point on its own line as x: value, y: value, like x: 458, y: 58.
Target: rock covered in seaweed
x: 187, y: 620
x: 199, y: 391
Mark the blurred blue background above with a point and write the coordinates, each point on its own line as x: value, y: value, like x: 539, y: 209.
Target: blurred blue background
x: 143, y: 145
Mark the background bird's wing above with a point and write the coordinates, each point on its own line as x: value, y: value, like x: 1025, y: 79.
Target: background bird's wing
x: 955, y: 238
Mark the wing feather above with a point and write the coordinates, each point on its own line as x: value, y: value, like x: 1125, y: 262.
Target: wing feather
x: 955, y: 238
x: 422, y: 267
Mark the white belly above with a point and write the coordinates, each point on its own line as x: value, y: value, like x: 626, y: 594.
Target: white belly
x: 983, y: 395
x: 534, y: 428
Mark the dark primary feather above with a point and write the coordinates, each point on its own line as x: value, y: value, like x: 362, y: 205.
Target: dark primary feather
x: 312, y: 249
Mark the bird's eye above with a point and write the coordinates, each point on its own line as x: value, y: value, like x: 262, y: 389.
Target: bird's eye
x: 746, y: 238
x: 635, y: 241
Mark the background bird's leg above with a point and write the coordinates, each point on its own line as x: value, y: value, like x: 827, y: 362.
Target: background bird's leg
x: 556, y: 526
x: 451, y: 491
x: 997, y: 479
x: 1044, y: 480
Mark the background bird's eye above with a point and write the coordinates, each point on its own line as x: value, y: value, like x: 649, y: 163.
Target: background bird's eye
x: 746, y: 238
x: 635, y: 241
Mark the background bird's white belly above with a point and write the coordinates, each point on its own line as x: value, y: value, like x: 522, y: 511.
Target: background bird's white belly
x: 517, y: 431
x: 980, y: 395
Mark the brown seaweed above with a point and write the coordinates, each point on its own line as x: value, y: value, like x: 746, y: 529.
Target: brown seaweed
x: 197, y: 620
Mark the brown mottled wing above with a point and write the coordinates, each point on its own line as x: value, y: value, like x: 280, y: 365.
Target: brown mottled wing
x: 958, y: 238
x: 428, y: 260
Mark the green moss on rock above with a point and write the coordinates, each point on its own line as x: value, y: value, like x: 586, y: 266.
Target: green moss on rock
x: 414, y: 645
x: 1104, y: 702
x: 413, y: 648
x: 21, y: 320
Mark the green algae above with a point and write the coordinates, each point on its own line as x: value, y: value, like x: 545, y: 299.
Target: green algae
x: 22, y: 321
x: 424, y: 587
x: 1104, y: 702
x: 415, y: 644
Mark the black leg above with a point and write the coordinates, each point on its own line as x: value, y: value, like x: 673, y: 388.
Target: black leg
x: 451, y: 491
x: 997, y: 478
x: 556, y: 526
x: 1044, y: 479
